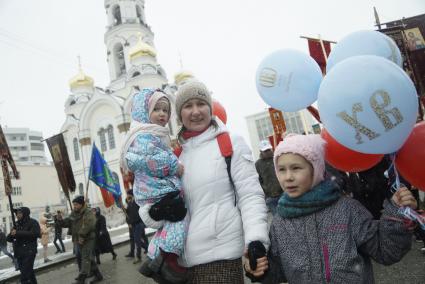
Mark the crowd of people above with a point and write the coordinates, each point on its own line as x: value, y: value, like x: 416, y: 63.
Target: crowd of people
x: 288, y: 217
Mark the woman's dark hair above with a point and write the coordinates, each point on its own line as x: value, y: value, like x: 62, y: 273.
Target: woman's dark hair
x: 183, y: 129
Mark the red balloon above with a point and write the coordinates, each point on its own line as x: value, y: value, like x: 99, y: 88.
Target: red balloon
x: 219, y: 111
x: 345, y: 159
x: 410, y: 158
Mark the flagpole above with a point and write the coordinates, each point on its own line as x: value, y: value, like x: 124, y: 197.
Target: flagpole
x: 86, y: 197
x: 323, y: 49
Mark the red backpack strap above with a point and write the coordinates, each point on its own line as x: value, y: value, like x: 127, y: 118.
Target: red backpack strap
x: 178, y: 150
x: 225, y: 144
x: 226, y: 149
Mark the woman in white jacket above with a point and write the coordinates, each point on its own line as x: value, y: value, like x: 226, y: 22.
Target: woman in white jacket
x: 221, y: 228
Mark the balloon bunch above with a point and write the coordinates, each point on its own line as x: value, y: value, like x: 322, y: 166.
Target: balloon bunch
x: 367, y: 103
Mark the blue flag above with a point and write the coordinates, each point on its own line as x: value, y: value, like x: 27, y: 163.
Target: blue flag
x: 102, y: 176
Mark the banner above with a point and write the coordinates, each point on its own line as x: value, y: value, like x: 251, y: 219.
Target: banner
x: 316, y: 51
x: 6, y: 157
x: 279, y: 126
x: 60, y: 158
x: 102, y: 176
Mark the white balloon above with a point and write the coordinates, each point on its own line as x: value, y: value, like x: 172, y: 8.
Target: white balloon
x: 368, y: 104
x: 366, y: 42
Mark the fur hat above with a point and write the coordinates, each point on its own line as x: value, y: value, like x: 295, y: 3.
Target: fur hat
x: 192, y: 90
x: 310, y: 147
x: 79, y: 199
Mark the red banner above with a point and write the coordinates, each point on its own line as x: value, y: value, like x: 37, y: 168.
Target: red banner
x: 316, y: 52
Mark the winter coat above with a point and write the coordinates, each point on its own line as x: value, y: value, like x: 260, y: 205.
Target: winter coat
x: 3, y: 242
x: 133, y: 216
x: 149, y: 157
x: 58, y: 227
x: 103, y: 240
x: 267, y: 176
x: 27, y: 233
x: 219, y: 230
x: 335, y: 245
x: 44, y: 231
x: 82, y: 224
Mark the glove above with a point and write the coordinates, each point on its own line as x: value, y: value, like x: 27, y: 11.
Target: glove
x: 256, y: 250
x: 170, y: 207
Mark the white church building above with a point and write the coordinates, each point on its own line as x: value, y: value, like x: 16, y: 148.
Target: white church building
x: 102, y: 115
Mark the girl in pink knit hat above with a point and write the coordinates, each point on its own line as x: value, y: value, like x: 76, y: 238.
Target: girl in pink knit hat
x: 320, y: 236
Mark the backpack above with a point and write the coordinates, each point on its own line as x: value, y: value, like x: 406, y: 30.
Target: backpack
x: 226, y: 149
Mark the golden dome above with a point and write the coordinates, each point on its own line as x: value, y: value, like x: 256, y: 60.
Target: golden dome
x: 182, y: 76
x: 81, y: 80
x: 141, y: 49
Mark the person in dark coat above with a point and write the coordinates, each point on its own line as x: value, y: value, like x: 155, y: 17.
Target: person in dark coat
x: 137, y: 229
x: 371, y: 187
x: 103, y: 240
x: 267, y: 176
x: 58, y: 233
x: 83, y: 224
x: 25, y: 236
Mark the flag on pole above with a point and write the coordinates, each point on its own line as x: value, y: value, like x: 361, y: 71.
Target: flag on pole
x: 108, y: 198
x: 102, y: 176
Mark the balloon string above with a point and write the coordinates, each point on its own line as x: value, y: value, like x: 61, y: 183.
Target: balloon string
x: 405, y: 210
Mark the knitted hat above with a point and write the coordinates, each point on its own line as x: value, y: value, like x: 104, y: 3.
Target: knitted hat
x: 192, y: 90
x: 310, y: 147
x: 79, y: 199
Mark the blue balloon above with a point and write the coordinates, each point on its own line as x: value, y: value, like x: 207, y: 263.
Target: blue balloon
x: 365, y: 42
x: 288, y: 80
x: 368, y: 104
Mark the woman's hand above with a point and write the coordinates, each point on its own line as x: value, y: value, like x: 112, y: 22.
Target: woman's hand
x: 262, y: 265
x: 403, y: 197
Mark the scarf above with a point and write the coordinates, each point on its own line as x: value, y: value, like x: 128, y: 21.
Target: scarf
x: 139, y: 128
x: 189, y: 134
x: 318, y: 198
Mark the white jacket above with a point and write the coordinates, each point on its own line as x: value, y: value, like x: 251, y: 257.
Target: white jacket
x: 218, y: 229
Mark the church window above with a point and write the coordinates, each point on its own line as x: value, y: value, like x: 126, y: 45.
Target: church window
x: 81, y: 189
x: 119, y: 59
x: 117, y: 15
x: 139, y: 14
x: 76, y: 150
x: 102, y: 138
x: 111, y: 137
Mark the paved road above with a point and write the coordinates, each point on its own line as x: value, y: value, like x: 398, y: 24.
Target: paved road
x: 6, y: 262
x: 410, y: 270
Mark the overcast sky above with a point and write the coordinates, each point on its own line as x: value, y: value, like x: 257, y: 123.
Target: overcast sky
x: 221, y: 42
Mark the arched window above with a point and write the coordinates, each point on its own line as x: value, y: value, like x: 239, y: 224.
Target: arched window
x: 135, y: 74
x: 76, y: 150
x: 102, y: 138
x: 117, y: 15
x: 119, y: 59
x: 81, y: 189
x: 111, y: 137
x: 139, y: 14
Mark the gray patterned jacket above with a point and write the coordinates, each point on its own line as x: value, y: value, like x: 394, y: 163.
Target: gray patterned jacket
x: 335, y: 245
